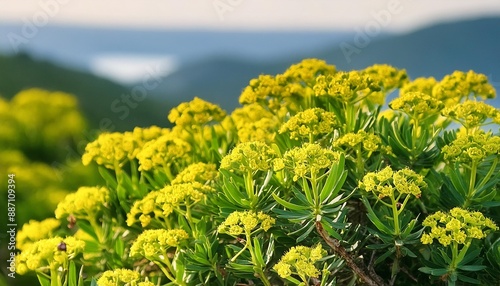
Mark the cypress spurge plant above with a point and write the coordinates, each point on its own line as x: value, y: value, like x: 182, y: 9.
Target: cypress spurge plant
x: 314, y: 180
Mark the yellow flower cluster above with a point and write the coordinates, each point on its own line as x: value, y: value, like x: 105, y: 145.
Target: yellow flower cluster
x: 459, y: 226
x: 249, y: 157
x: 417, y: 105
x: 245, y: 222
x: 36, y: 230
x: 154, y: 242
x: 421, y: 84
x: 50, y: 252
x: 388, y: 77
x: 122, y: 277
x: 459, y: 85
x: 307, y: 70
x: 197, y: 172
x: 475, y: 147
x: 310, y: 122
x: 385, y: 182
x: 163, y: 151
x: 163, y: 202
x: 84, y: 203
x: 367, y: 141
x: 300, y: 260
x: 267, y: 86
x: 347, y: 87
x: 195, y: 113
x: 113, y: 149
x: 174, y: 196
x: 254, y: 123
x: 306, y: 161
x: 51, y: 115
x: 472, y: 114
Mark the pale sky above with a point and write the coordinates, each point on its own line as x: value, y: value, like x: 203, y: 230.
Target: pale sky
x: 392, y: 15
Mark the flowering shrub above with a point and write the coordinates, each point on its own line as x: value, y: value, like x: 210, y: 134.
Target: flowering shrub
x: 308, y: 183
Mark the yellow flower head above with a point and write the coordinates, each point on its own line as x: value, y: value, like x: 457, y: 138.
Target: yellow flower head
x: 172, y: 197
x: 471, y: 114
x: 163, y: 151
x: 50, y: 252
x: 308, y: 160
x: 121, y: 277
x: 458, y: 226
x: 307, y: 70
x: 367, y: 141
x: 386, y: 182
x: 300, y: 260
x: 245, y: 222
x: 84, y: 203
x: 36, y: 230
x: 249, y: 157
x: 417, y: 105
x: 143, y: 210
x: 476, y: 147
x: 114, y: 149
x: 347, y: 87
x: 459, y: 85
x: 196, y: 113
x: 388, y: 77
x: 197, y: 172
x: 313, y: 121
x: 421, y: 84
x: 254, y: 123
x: 155, y: 242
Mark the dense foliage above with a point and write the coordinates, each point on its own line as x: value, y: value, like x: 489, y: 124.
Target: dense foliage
x: 310, y: 182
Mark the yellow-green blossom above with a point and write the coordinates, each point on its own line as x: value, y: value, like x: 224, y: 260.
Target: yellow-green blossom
x: 196, y: 113
x: 300, y: 260
x: 310, y: 122
x: 421, y: 84
x: 452, y: 88
x: 249, y: 157
x: 174, y: 196
x: 144, y: 210
x: 154, y: 243
x: 306, y: 161
x: 471, y: 114
x: 85, y: 202
x: 347, y: 87
x: 366, y: 141
x: 459, y: 226
x: 386, y: 182
x: 307, y: 70
x: 122, y: 277
x: 255, y: 123
x: 51, y: 252
x: 36, y: 230
x: 114, y: 149
x: 471, y: 147
x: 388, y: 77
x: 245, y: 222
x: 163, y: 151
x: 197, y: 172
x: 417, y: 105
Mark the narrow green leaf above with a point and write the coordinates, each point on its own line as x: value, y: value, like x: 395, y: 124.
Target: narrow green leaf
x: 43, y: 279
x: 288, y: 205
x: 72, y: 274
x: 110, y: 179
x: 472, y: 267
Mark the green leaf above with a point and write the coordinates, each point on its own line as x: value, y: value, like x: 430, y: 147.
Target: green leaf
x: 86, y: 227
x: 110, y: 179
x: 289, y: 205
x: 334, y: 181
x: 330, y: 230
x: 258, y: 253
x: 434, y: 271
x: 385, y: 255
x: 72, y: 274
x: 467, y: 279
x: 43, y: 279
x: 472, y: 267
x: 94, y: 282
x: 374, y: 218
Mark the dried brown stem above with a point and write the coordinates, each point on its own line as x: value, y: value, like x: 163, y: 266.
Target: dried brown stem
x: 371, y: 279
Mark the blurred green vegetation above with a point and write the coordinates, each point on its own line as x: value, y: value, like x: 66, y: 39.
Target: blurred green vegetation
x: 39, y: 138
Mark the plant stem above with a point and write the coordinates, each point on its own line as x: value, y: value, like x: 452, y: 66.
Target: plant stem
x: 472, y: 183
x: 371, y: 279
x: 395, y: 216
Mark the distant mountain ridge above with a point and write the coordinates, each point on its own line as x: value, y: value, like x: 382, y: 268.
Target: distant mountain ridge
x: 433, y: 51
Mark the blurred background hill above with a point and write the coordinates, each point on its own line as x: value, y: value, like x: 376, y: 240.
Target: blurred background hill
x: 217, y: 65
